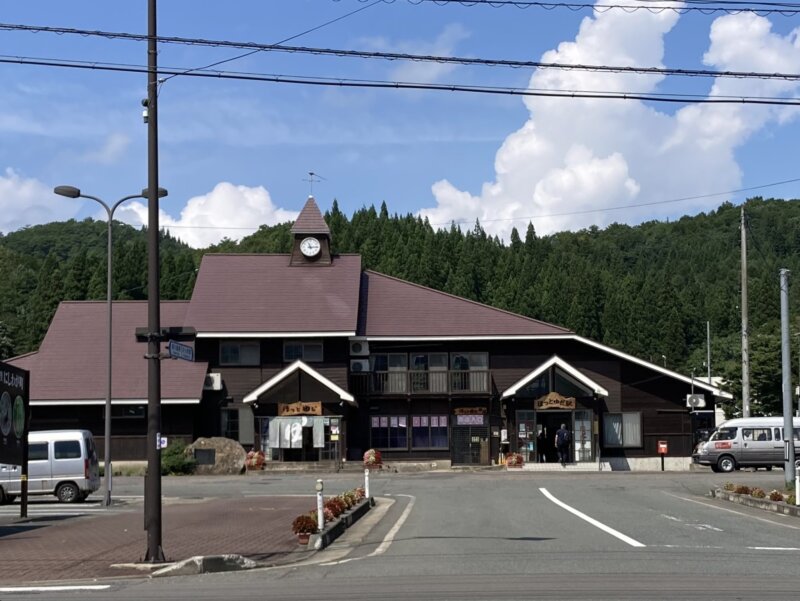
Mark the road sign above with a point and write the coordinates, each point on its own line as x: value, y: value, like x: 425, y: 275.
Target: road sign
x: 180, y: 351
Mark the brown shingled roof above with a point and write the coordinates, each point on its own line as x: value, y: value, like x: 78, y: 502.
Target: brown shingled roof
x: 310, y: 220
x: 263, y: 294
x: 394, y: 307
x: 71, y: 362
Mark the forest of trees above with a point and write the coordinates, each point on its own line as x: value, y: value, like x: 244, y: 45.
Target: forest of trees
x: 647, y: 290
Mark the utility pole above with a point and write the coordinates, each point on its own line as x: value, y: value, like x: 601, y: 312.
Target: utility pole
x: 152, y: 495
x: 786, y: 369
x: 708, y: 349
x: 745, y: 334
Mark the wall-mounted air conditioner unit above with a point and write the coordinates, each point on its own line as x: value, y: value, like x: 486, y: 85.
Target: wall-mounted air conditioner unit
x: 358, y: 366
x: 359, y: 348
x: 213, y: 382
x: 696, y: 401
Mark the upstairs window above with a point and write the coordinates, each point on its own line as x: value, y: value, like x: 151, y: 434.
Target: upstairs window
x: 240, y: 353
x: 309, y: 351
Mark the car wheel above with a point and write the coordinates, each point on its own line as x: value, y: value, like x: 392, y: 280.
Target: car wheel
x: 68, y: 493
x: 726, y: 464
x: 3, y: 496
x: 714, y: 469
x: 797, y: 465
x: 768, y: 468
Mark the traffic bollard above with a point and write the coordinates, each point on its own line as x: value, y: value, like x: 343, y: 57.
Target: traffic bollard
x: 320, y: 507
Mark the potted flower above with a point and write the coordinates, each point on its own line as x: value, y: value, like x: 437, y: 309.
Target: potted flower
x: 514, y: 460
x: 372, y: 458
x: 255, y: 460
x: 304, y: 526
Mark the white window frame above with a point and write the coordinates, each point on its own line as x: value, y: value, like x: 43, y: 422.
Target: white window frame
x: 251, y: 360
x: 305, y: 355
x: 626, y: 442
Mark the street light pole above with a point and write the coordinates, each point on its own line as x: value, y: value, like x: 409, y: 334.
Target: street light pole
x: 72, y: 192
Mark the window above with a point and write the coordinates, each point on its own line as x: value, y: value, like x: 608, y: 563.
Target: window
x: 230, y: 423
x: 128, y: 411
x: 389, y: 431
x: 470, y: 371
x: 391, y: 370
x: 429, y: 431
x: 724, y: 434
x: 304, y: 350
x: 240, y: 353
x: 622, y: 429
x: 37, y: 451
x: 429, y: 372
x: 759, y: 434
x: 67, y: 449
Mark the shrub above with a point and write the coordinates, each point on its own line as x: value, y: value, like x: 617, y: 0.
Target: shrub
x: 336, y: 506
x: 255, y: 460
x: 742, y: 489
x: 775, y: 495
x: 174, y: 459
x: 305, y: 524
x: 791, y: 500
x: 758, y: 493
x: 360, y: 492
x: 729, y: 486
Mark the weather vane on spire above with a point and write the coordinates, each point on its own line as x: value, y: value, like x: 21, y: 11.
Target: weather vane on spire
x: 311, y: 180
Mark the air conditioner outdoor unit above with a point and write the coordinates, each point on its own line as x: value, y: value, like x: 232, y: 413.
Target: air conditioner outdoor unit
x: 359, y: 348
x: 695, y: 401
x: 359, y: 365
x: 213, y: 382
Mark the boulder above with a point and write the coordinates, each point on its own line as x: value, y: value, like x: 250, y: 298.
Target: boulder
x: 228, y: 456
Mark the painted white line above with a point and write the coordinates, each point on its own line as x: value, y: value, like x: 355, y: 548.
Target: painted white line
x: 624, y: 538
x: 56, y: 589
x: 747, y: 515
x: 774, y: 548
x: 389, y: 538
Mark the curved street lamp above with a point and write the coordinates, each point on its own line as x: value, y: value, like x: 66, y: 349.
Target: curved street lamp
x: 73, y: 192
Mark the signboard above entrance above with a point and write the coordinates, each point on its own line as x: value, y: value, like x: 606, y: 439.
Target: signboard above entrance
x: 469, y: 411
x: 554, y: 401
x: 314, y: 408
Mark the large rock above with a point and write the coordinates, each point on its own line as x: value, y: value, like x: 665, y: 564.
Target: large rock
x: 228, y: 456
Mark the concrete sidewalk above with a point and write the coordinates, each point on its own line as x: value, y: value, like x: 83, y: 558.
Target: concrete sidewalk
x: 86, y: 547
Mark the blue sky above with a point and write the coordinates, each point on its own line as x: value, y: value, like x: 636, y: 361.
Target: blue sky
x: 235, y: 154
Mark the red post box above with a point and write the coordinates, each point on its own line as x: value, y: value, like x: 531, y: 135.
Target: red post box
x: 662, y: 447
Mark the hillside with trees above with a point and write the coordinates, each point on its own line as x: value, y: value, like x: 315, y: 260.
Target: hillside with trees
x: 647, y: 290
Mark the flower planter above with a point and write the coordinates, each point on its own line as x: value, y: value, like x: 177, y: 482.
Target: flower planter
x: 302, y: 538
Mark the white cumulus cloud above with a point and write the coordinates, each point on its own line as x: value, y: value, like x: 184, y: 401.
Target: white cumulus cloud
x: 27, y: 201
x: 575, y: 157
x: 228, y: 211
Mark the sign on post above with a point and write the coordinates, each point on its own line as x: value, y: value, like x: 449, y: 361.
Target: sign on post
x: 13, y: 414
x: 178, y: 350
x: 662, y: 447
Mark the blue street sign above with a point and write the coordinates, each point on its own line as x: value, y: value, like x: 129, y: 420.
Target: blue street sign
x: 180, y: 351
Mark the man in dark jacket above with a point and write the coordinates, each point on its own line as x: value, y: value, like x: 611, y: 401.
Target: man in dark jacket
x: 562, y: 444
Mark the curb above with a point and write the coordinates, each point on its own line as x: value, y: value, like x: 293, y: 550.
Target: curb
x: 337, y: 528
x: 206, y: 564
x: 747, y: 500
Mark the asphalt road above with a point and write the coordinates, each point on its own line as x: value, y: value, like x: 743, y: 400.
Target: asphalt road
x: 497, y: 535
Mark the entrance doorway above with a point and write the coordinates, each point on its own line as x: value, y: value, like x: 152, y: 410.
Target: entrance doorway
x: 548, y: 422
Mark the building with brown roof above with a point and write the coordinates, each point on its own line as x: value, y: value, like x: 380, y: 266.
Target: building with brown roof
x: 310, y: 358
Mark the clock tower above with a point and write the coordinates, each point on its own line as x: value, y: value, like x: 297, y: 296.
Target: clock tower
x: 312, y: 237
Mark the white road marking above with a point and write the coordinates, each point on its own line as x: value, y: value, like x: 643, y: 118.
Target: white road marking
x: 715, y: 547
x: 696, y: 526
x: 51, y: 589
x: 774, y: 548
x: 624, y: 538
x: 747, y: 515
x: 387, y: 540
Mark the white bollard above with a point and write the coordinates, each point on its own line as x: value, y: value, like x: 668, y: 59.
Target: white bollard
x: 366, y: 483
x: 797, y: 489
x: 320, y: 507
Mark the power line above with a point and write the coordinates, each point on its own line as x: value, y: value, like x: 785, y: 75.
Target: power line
x: 697, y: 6
x: 468, y: 61
x: 283, y: 41
x: 398, y: 85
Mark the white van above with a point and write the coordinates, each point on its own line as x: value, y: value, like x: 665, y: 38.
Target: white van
x: 60, y: 462
x: 747, y: 442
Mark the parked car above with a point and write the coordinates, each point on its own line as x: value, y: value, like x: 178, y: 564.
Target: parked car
x: 60, y: 462
x: 747, y: 442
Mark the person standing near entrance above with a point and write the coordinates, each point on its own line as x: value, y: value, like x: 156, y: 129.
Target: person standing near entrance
x: 540, y: 447
x: 562, y: 444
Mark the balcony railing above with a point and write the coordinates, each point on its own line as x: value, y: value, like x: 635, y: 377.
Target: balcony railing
x: 420, y: 382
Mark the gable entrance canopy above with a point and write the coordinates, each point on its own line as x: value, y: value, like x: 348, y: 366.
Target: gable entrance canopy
x: 299, y: 383
x: 568, y: 371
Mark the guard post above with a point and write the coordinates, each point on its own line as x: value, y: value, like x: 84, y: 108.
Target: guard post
x: 663, y: 448
x: 320, y: 507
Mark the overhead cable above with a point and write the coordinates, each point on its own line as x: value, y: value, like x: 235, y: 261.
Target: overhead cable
x: 399, y: 85
x: 403, y: 56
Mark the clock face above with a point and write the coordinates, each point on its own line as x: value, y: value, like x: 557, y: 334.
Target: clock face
x: 5, y: 413
x: 310, y: 247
